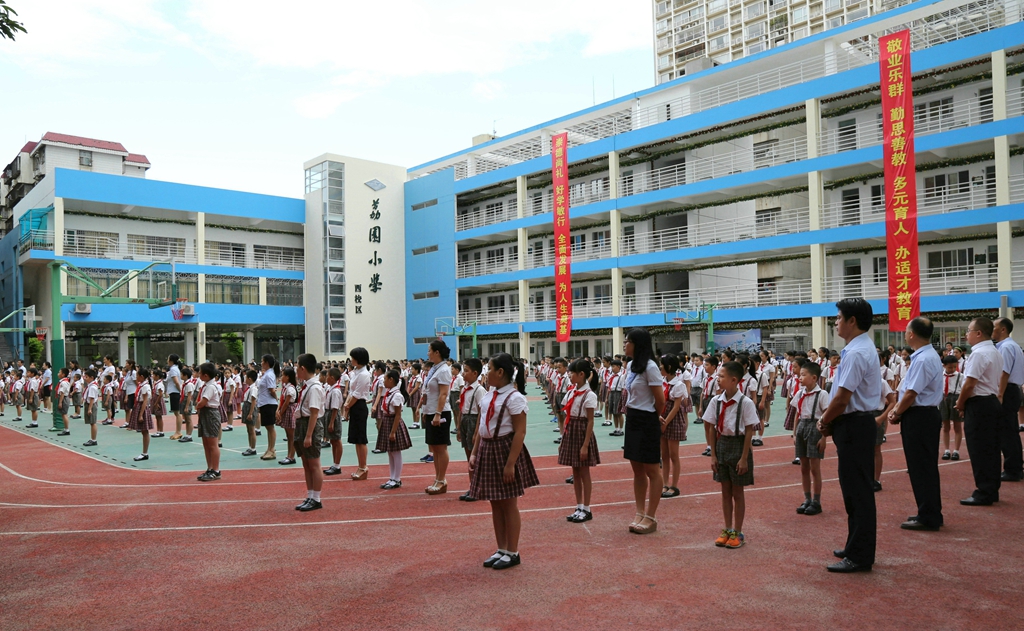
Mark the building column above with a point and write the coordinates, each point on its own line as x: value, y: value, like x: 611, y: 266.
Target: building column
x: 250, y: 347
x: 1004, y: 234
x: 122, y: 347
x: 201, y: 341
x: 190, y: 347
x: 524, y: 306
x: 263, y: 291
x: 815, y: 196
x: 201, y: 260
x: 616, y: 235
x: 58, y: 227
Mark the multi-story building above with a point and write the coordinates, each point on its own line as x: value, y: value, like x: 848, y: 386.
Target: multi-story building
x: 754, y: 186
x: 239, y: 258
x: 693, y: 35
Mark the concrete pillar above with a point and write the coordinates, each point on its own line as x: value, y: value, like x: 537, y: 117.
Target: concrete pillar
x: 812, y: 113
x: 618, y: 338
x: 58, y: 228
x: 545, y: 142
x: 201, y: 287
x: 122, y: 347
x: 613, y: 175
x: 524, y: 300
x: 201, y: 341
x: 521, y: 196
x: 190, y: 347
x: 470, y: 165
x: 133, y: 287
x: 524, y: 345
x: 201, y: 239
x: 1004, y: 235
x: 1004, y: 245
x: 250, y: 347
x: 696, y: 342
x: 999, y: 85
x: 263, y: 291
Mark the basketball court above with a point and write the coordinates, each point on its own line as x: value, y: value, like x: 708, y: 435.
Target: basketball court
x: 92, y: 543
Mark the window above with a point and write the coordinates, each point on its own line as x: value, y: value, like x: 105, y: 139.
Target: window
x: 429, y: 249
x: 496, y: 303
x: 422, y: 205
x: 537, y: 203
x: 580, y: 293
x: 719, y: 42
x: 85, y: 158
x: 233, y: 290
x: 91, y: 243
x: 104, y: 278
x: 578, y: 348
x: 765, y: 220
x: 284, y: 292
x: 764, y: 153
x: 947, y: 185
x: 850, y: 210
x: 833, y: 5
x: 879, y: 265
x: 847, y: 137
x: 629, y: 239
x: 959, y: 262
x: 664, y: 61
x: 800, y: 14
x: 493, y: 212
x: 425, y: 295
x: 601, y: 240
x: 603, y: 294
x: 755, y: 30
x: 985, y: 104
x: 577, y: 242
x: 877, y: 198
x: 756, y: 48
x: 150, y: 247
x: 496, y: 256
x: 934, y: 115
x: 755, y: 10
x: 224, y: 253
x: 278, y: 257
x: 718, y: 23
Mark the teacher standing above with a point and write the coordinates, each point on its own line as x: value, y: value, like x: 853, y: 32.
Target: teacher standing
x: 645, y: 400
x: 437, y: 413
x: 850, y: 420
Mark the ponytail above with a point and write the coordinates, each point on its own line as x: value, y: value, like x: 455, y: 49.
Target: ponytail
x: 512, y: 369
x: 584, y: 366
x: 272, y: 362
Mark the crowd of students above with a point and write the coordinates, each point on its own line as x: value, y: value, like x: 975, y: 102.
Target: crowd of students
x: 646, y: 399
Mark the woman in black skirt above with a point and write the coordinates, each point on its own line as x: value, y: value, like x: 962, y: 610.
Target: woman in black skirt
x: 646, y: 399
x: 500, y: 468
x: 437, y: 413
x: 578, y: 448
x: 356, y: 411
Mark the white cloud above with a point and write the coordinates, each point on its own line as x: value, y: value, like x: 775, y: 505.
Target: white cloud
x: 488, y: 90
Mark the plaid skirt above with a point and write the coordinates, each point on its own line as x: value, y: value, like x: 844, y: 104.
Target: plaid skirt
x: 414, y: 400
x: 486, y: 482
x: 402, y: 439
x: 159, y: 405
x: 790, y: 419
x: 76, y: 398
x: 572, y: 442
x: 623, y: 400
x: 140, y: 418
x: 676, y: 430
x: 785, y: 388
x: 287, y: 419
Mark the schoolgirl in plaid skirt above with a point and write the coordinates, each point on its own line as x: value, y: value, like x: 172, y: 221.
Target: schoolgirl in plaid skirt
x: 674, y: 422
x: 141, y: 417
x: 159, y: 406
x: 578, y: 448
x: 500, y: 467
x: 286, y: 411
x: 393, y: 436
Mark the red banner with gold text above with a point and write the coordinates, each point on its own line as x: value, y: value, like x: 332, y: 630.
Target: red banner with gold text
x: 903, y: 260
x: 563, y: 251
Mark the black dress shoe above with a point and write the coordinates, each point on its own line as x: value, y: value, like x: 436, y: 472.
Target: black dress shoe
x: 800, y: 509
x: 494, y: 558
x: 876, y: 486
x: 502, y: 564
x: 839, y: 554
x: 304, y: 502
x: 814, y: 508
x: 568, y: 480
x: 846, y: 566
x: 311, y: 505
x: 913, y: 524
x: 1005, y: 477
x: 973, y: 501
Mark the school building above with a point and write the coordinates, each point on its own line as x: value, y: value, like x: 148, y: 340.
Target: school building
x: 754, y: 186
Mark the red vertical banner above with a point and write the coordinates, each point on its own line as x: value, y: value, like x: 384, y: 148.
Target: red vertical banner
x: 563, y: 250
x: 903, y: 260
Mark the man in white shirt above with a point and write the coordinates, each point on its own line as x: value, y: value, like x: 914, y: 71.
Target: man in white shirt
x: 1010, y: 397
x: 850, y: 420
x: 979, y: 404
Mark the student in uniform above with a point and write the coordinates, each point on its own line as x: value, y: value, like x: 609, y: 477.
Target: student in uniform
x: 393, y: 437
x: 616, y: 380
x: 437, y: 413
x: 415, y: 382
x: 469, y: 404
x: 917, y: 414
x: 645, y: 403
x: 333, y: 404
x: 808, y: 404
x: 979, y: 404
x: 189, y: 394
x: 356, y: 410
x: 266, y: 402
x: 560, y: 383
x: 141, y: 418
x: 286, y: 413
x: 578, y: 448
x: 708, y: 390
x: 249, y: 414
x: 500, y: 467
x: 209, y: 408
x: 850, y: 421
x: 76, y: 389
x: 32, y: 397
x: 1010, y: 397
x: 887, y: 403
x: 17, y: 396
x: 309, y: 427
x: 63, y: 402
x: 453, y: 396
x: 378, y: 390
x: 173, y: 388
x: 159, y: 406
x: 673, y: 422
x: 90, y: 404
x: 951, y: 383
x: 729, y: 433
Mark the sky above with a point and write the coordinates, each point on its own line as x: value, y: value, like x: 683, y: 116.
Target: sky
x: 239, y: 94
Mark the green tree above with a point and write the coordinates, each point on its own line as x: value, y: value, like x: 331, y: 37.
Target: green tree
x: 9, y: 27
x: 35, y: 350
x: 234, y: 345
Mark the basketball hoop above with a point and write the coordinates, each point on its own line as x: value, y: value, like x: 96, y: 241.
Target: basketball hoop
x: 178, y: 308
x: 678, y: 326
x: 41, y: 332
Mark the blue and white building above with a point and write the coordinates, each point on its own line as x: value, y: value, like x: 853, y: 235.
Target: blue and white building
x: 755, y: 186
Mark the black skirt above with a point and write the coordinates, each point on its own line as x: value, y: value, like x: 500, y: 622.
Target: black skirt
x: 643, y: 436
x: 357, y: 415
x: 440, y: 435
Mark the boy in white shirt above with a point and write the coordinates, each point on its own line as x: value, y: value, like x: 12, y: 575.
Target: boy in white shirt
x: 309, y: 430
x: 90, y: 404
x: 333, y: 419
x: 729, y: 422
x: 209, y: 420
x: 810, y: 403
x: 32, y: 396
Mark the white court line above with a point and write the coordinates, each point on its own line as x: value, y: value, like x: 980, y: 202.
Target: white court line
x: 345, y: 522
x: 405, y: 495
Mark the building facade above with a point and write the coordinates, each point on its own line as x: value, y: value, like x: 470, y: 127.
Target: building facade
x: 754, y: 187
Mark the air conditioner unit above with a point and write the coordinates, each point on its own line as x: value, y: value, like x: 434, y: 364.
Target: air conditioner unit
x: 188, y: 310
x: 83, y: 308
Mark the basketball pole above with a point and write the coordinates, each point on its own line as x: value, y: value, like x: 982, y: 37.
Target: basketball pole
x: 56, y: 335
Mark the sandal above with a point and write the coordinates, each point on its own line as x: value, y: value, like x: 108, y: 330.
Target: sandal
x: 636, y: 520
x: 646, y: 530
x: 670, y: 492
x: 437, y: 488
x: 360, y: 474
x: 270, y: 455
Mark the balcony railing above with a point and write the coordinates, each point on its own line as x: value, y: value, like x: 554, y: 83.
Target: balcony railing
x: 1015, y: 100
x: 706, y: 168
x: 492, y: 265
x: 487, y: 217
x: 497, y: 315
x: 796, y: 291
x: 110, y: 248
x: 943, y: 281
x: 787, y: 221
x: 592, y: 252
x: 581, y: 308
x: 927, y: 120
x: 36, y: 240
x: 1017, y: 271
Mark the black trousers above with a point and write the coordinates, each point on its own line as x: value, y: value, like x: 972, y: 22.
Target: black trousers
x: 1009, y: 434
x: 919, y: 429
x: 982, y: 419
x: 854, y: 437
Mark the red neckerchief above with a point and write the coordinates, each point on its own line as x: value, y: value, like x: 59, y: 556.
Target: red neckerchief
x: 721, y: 415
x: 567, y: 407
x: 800, y: 403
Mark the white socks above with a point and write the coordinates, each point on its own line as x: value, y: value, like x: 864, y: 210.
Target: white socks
x: 586, y: 508
x: 395, y: 465
x: 314, y: 495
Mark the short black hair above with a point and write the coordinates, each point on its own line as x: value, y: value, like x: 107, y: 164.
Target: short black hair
x: 1006, y: 323
x: 812, y: 368
x: 308, y: 361
x: 441, y: 348
x: 252, y: 375
x: 712, y: 359
x: 360, y: 354
x: 922, y: 327
x: 984, y: 325
x: 474, y: 364
x: 735, y: 369
x: 208, y: 369
x: 334, y: 372
x: 950, y: 359
x: 857, y: 308
x: 616, y: 362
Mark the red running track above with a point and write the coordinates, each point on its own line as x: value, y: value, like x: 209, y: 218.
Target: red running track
x: 90, y: 546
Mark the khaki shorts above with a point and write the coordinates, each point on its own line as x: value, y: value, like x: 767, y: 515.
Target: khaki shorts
x: 313, y: 451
